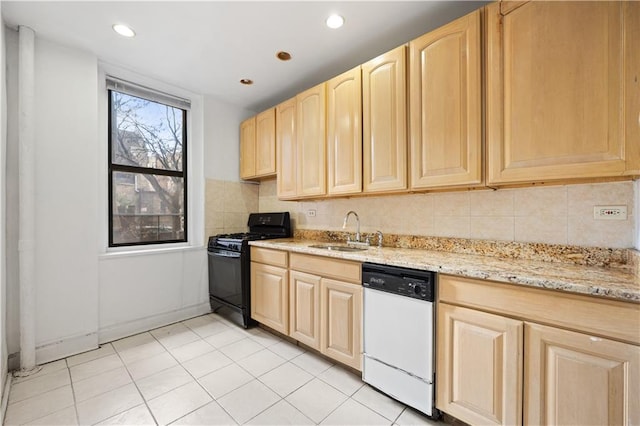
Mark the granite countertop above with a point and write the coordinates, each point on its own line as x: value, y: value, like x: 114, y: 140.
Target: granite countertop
x: 611, y: 283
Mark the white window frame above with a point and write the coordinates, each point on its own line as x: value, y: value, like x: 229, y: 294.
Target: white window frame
x: 195, y: 166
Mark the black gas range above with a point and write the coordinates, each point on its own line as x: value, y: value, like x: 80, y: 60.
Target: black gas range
x: 230, y: 262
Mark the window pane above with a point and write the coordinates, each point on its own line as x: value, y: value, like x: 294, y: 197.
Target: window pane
x: 147, y: 208
x: 145, y: 133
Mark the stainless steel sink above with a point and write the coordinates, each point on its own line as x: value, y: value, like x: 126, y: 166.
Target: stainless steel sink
x: 336, y: 247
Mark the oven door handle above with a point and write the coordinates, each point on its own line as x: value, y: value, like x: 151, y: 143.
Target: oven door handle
x: 223, y: 253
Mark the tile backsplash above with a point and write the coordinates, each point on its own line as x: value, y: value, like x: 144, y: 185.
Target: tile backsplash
x: 548, y: 214
x: 227, y: 206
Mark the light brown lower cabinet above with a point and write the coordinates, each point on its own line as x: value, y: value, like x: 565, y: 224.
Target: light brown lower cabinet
x: 314, y: 299
x: 479, y: 366
x: 304, y: 308
x: 574, y: 378
x: 270, y: 288
x: 333, y: 324
x: 496, y: 364
x: 341, y: 316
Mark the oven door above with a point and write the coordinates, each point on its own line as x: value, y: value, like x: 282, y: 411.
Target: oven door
x: 225, y: 276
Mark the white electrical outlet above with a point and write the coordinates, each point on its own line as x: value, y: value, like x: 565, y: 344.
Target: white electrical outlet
x: 311, y: 213
x: 610, y: 212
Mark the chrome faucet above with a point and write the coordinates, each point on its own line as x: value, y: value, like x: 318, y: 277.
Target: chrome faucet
x: 344, y: 224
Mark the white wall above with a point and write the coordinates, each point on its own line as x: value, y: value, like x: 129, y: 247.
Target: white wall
x: 222, y: 136
x: 66, y: 200
x: 146, y: 290
x: 11, y: 188
x: 3, y: 146
x: 86, y: 293
x: 140, y: 289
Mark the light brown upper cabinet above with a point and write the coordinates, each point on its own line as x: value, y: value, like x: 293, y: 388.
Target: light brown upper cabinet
x: 384, y: 122
x: 248, y: 148
x: 632, y: 86
x: 445, y: 106
x: 557, y: 77
x: 258, y: 146
x: 344, y: 133
x: 286, y: 149
x: 266, y: 143
x: 311, y: 142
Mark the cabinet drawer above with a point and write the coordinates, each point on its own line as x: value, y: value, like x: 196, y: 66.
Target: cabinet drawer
x: 327, y: 267
x: 593, y: 315
x: 268, y: 256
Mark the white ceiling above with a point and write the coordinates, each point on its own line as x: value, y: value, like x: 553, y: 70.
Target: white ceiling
x: 208, y: 46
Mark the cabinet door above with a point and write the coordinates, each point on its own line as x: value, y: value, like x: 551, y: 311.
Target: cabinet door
x: 445, y: 106
x: 479, y: 366
x: 577, y: 379
x: 311, y: 144
x: 266, y: 143
x: 248, y: 148
x: 632, y: 86
x: 304, y: 308
x: 384, y: 122
x: 270, y: 296
x: 286, y: 148
x: 341, y: 317
x: 344, y: 133
x: 555, y: 90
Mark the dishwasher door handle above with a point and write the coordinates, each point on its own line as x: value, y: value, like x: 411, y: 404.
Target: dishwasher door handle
x: 396, y: 368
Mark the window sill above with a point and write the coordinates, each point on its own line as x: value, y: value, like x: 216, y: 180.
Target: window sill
x: 121, y: 252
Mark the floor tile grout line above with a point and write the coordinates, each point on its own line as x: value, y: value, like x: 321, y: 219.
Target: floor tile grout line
x: 37, y: 394
x: 256, y: 378
x: 254, y: 337
x: 297, y: 409
x: 24, y: 379
x: 73, y: 392
x: 400, y: 415
x: 247, y: 421
x: 213, y: 399
x: 144, y: 401
x: 314, y: 376
x: 344, y: 402
x: 96, y: 374
x: 93, y: 359
x: 50, y: 390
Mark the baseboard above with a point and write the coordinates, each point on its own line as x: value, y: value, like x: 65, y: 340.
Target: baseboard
x: 65, y: 347
x: 118, y: 331
x: 5, y: 398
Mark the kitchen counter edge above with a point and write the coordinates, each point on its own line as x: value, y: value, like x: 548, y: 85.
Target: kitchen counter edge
x: 586, y: 280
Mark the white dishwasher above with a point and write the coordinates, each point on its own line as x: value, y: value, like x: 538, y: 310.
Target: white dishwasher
x: 399, y: 334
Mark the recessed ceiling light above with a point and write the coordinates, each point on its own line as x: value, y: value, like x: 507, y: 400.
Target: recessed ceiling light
x: 283, y: 56
x: 246, y: 81
x: 123, y: 30
x: 335, y: 21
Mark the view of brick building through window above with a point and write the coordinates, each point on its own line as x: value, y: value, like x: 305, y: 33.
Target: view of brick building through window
x: 147, y: 171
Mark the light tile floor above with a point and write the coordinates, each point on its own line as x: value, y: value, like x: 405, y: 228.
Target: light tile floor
x: 205, y: 370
